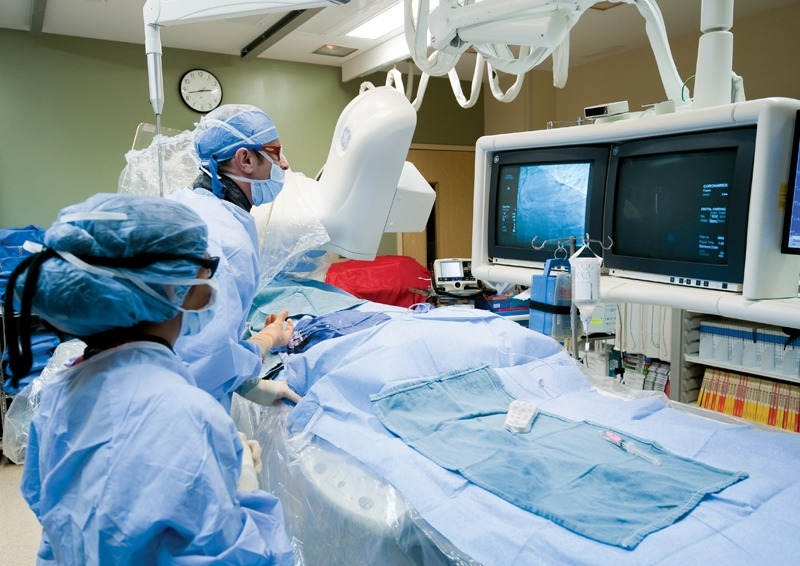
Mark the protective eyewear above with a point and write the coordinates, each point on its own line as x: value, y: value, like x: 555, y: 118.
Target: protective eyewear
x: 145, y: 260
x: 274, y: 151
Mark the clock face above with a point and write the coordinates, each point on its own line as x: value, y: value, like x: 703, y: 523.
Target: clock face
x: 200, y: 90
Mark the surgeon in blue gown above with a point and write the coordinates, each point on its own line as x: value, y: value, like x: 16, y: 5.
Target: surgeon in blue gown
x: 241, y: 166
x: 129, y: 462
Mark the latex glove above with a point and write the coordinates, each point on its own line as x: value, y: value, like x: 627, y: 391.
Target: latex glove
x: 276, y: 333
x: 268, y: 391
x: 251, y: 464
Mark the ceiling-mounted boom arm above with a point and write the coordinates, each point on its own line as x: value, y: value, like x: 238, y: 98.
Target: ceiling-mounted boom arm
x: 161, y: 13
x: 538, y: 27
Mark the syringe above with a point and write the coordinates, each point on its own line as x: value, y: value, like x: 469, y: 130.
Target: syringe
x: 629, y: 447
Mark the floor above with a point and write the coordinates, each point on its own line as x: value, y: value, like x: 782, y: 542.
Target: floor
x: 20, y: 532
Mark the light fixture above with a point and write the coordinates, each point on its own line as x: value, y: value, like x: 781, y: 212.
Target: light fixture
x: 334, y: 50
x: 389, y: 20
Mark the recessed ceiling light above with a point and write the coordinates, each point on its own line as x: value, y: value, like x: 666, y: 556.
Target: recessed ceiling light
x: 334, y: 50
x: 381, y: 24
x: 385, y: 22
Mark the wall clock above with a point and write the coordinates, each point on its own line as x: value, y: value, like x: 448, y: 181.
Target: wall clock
x: 200, y: 90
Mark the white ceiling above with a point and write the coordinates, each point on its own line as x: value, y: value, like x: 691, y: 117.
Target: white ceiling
x: 598, y: 34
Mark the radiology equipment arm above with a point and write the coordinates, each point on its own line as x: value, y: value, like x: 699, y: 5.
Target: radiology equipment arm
x: 367, y: 187
x: 539, y: 28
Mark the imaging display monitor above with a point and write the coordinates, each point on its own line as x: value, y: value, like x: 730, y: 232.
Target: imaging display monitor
x: 677, y: 208
x: 547, y: 194
x: 790, y: 242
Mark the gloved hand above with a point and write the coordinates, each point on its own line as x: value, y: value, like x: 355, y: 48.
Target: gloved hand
x: 276, y: 333
x: 268, y: 390
x: 251, y: 464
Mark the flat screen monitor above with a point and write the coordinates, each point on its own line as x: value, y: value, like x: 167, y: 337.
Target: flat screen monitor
x: 546, y: 195
x: 790, y: 241
x: 677, y: 207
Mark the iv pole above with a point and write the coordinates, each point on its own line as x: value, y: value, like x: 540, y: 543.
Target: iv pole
x: 573, y: 310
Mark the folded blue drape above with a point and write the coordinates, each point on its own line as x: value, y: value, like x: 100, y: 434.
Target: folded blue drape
x: 561, y: 470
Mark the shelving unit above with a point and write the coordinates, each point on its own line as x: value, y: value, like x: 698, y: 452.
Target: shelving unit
x: 741, y: 369
x: 689, y: 306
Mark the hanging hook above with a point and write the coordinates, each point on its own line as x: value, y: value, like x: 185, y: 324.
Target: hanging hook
x: 559, y: 249
x: 560, y: 242
x: 587, y: 240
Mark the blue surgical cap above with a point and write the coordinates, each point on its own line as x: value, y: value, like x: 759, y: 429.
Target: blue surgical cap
x: 81, y: 302
x: 220, y: 133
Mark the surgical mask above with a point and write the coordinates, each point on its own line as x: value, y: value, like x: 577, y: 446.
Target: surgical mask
x: 143, y: 281
x: 264, y: 191
x: 193, y: 321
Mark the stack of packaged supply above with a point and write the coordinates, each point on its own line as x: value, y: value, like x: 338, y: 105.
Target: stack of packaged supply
x: 12, y: 252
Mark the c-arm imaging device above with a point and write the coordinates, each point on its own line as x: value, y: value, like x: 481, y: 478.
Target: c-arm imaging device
x: 366, y: 187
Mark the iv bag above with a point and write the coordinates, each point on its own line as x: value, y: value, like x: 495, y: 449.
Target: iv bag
x: 585, y: 284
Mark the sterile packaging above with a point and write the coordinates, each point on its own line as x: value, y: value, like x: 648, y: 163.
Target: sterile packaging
x: 520, y: 416
x: 26, y: 403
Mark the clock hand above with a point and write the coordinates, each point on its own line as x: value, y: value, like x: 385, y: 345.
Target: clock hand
x: 201, y: 90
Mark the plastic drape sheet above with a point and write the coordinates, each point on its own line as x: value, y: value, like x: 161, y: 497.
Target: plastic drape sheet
x: 290, y: 235
x: 26, y: 403
x: 174, y: 155
x: 336, y: 510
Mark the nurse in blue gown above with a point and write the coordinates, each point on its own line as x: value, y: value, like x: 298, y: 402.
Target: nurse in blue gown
x: 129, y: 462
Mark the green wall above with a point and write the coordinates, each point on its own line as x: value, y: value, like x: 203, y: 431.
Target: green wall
x: 71, y: 106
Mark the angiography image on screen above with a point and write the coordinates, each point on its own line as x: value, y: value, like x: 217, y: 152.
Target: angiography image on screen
x: 794, y: 221
x: 543, y: 201
x: 792, y: 228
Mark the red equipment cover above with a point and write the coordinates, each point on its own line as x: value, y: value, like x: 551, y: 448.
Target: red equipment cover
x: 389, y: 279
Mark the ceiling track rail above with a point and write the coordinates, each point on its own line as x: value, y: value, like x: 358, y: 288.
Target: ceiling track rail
x: 283, y: 27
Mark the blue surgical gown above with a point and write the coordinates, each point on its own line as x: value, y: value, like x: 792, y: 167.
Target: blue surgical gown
x: 218, y: 358
x: 130, y: 463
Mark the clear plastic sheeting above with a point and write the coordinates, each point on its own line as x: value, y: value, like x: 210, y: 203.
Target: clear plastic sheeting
x: 174, y: 156
x: 26, y: 403
x: 336, y: 510
x: 310, y: 265
x: 290, y: 234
